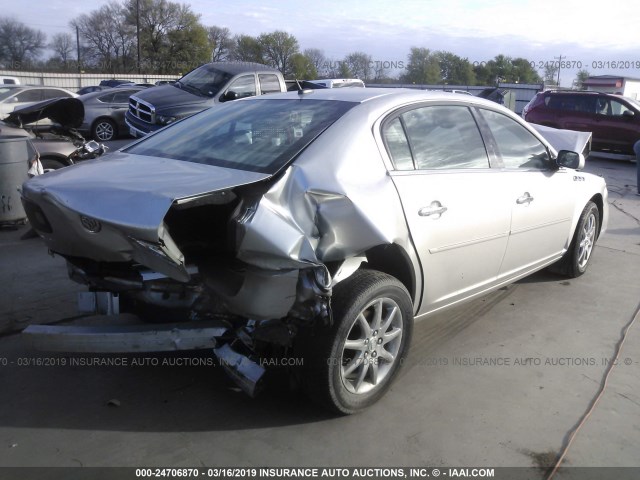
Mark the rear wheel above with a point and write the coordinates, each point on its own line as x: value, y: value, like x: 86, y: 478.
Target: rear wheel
x: 350, y: 365
x: 575, y: 262
x: 104, y: 130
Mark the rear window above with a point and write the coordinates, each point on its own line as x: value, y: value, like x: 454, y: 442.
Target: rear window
x: 259, y: 135
x: 572, y: 103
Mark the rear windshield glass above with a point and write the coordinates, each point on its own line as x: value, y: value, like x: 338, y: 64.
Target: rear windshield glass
x: 258, y: 135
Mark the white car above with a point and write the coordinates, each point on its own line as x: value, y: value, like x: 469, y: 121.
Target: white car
x: 18, y: 96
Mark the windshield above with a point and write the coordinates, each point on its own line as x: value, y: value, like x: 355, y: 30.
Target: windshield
x: 204, y: 81
x: 257, y: 135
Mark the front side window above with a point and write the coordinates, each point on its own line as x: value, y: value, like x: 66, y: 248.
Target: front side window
x: 517, y: 147
x: 256, y: 135
x: 444, y: 137
x: 33, y: 95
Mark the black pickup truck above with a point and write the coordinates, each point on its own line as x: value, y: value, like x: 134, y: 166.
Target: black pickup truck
x: 201, y: 88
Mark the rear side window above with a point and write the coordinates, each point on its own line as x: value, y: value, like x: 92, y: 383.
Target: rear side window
x: 572, y: 103
x: 33, y: 95
x: 443, y: 137
x: 397, y: 144
x: 269, y: 83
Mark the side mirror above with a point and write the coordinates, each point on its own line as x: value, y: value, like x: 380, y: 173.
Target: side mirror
x: 569, y: 159
x: 628, y: 114
x: 230, y: 95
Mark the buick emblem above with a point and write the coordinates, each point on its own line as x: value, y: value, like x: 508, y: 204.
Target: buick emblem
x: 90, y: 224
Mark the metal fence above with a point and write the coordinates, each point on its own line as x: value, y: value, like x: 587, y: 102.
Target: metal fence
x: 75, y: 81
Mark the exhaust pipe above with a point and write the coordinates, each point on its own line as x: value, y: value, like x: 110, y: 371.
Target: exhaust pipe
x: 245, y: 372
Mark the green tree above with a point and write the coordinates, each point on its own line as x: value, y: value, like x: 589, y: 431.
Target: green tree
x: 172, y: 38
x: 455, y: 70
x: 505, y: 69
x: 246, y: 49
x: 302, y: 67
x: 581, y: 77
x: 278, y: 47
x: 551, y: 74
x: 422, y: 68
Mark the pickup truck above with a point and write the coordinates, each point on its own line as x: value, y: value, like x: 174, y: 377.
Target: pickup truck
x: 207, y: 85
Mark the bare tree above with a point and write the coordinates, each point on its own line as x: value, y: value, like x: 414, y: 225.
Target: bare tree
x: 109, y: 37
x: 317, y: 59
x: 19, y: 43
x: 220, y: 42
x: 359, y: 65
x: 63, y: 45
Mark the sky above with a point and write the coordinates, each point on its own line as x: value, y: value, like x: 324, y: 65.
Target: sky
x: 540, y: 30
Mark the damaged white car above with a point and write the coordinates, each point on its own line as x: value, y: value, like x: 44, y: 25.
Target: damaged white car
x: 316, y: 225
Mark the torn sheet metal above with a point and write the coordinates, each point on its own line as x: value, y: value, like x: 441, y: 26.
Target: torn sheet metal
x: 335, y: 202
x: 560, y: 139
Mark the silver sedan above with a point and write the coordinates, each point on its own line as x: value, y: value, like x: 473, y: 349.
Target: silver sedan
x: 318, y: 225
x: 104, y: 113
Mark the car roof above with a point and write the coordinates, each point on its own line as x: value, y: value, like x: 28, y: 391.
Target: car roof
x: 241, y: 67
x: 393, y: 96
x: 92, y: 95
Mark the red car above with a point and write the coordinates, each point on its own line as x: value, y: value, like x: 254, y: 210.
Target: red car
x: 614, y: 120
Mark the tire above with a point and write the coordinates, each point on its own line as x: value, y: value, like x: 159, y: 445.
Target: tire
x: 342, y: 361
x: 104, y: 130
x: 49, y: 164
x: 576, y: 260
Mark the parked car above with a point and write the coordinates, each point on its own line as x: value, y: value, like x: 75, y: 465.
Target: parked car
x: 114, y: 82
x: 318, y: 225
x: 207, y: 85
x: 104, y: 113
x: 57, y: 143
x: 91, y: 89
x: 17, y: 96
x: 614, y: 120
x: 9, y: 80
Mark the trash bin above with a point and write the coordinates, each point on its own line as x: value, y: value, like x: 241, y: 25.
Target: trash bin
x: 15, y: 153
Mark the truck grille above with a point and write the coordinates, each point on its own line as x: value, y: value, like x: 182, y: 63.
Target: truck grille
x: 142, y: 110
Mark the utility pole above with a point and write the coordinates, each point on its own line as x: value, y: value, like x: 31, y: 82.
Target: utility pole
x: 138, y: 31
x: 559, y: 64
x: 78, y: 47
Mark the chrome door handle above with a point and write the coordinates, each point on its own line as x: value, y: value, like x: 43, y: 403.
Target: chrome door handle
x: 526, y: 198
x: 434, y: 209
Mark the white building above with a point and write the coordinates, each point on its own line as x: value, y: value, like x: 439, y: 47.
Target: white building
x: 627, y: 86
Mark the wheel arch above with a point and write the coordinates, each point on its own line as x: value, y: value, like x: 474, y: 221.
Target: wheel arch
x: 394, y: 260
x: 58, y: 158
x: 598, y: 200
x: 116, y: 130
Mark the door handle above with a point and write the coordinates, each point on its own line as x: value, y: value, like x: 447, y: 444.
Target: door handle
x: 526, y: 198
x: 435, y: 208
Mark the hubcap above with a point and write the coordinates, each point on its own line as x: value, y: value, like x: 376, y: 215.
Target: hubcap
x: 372, y: 346
x: 104, y: 131
x: 586, y: 239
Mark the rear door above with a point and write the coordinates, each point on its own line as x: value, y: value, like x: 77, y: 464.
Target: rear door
x: 616, y: 126
x: 539, y: 196
x: 456, y: 210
